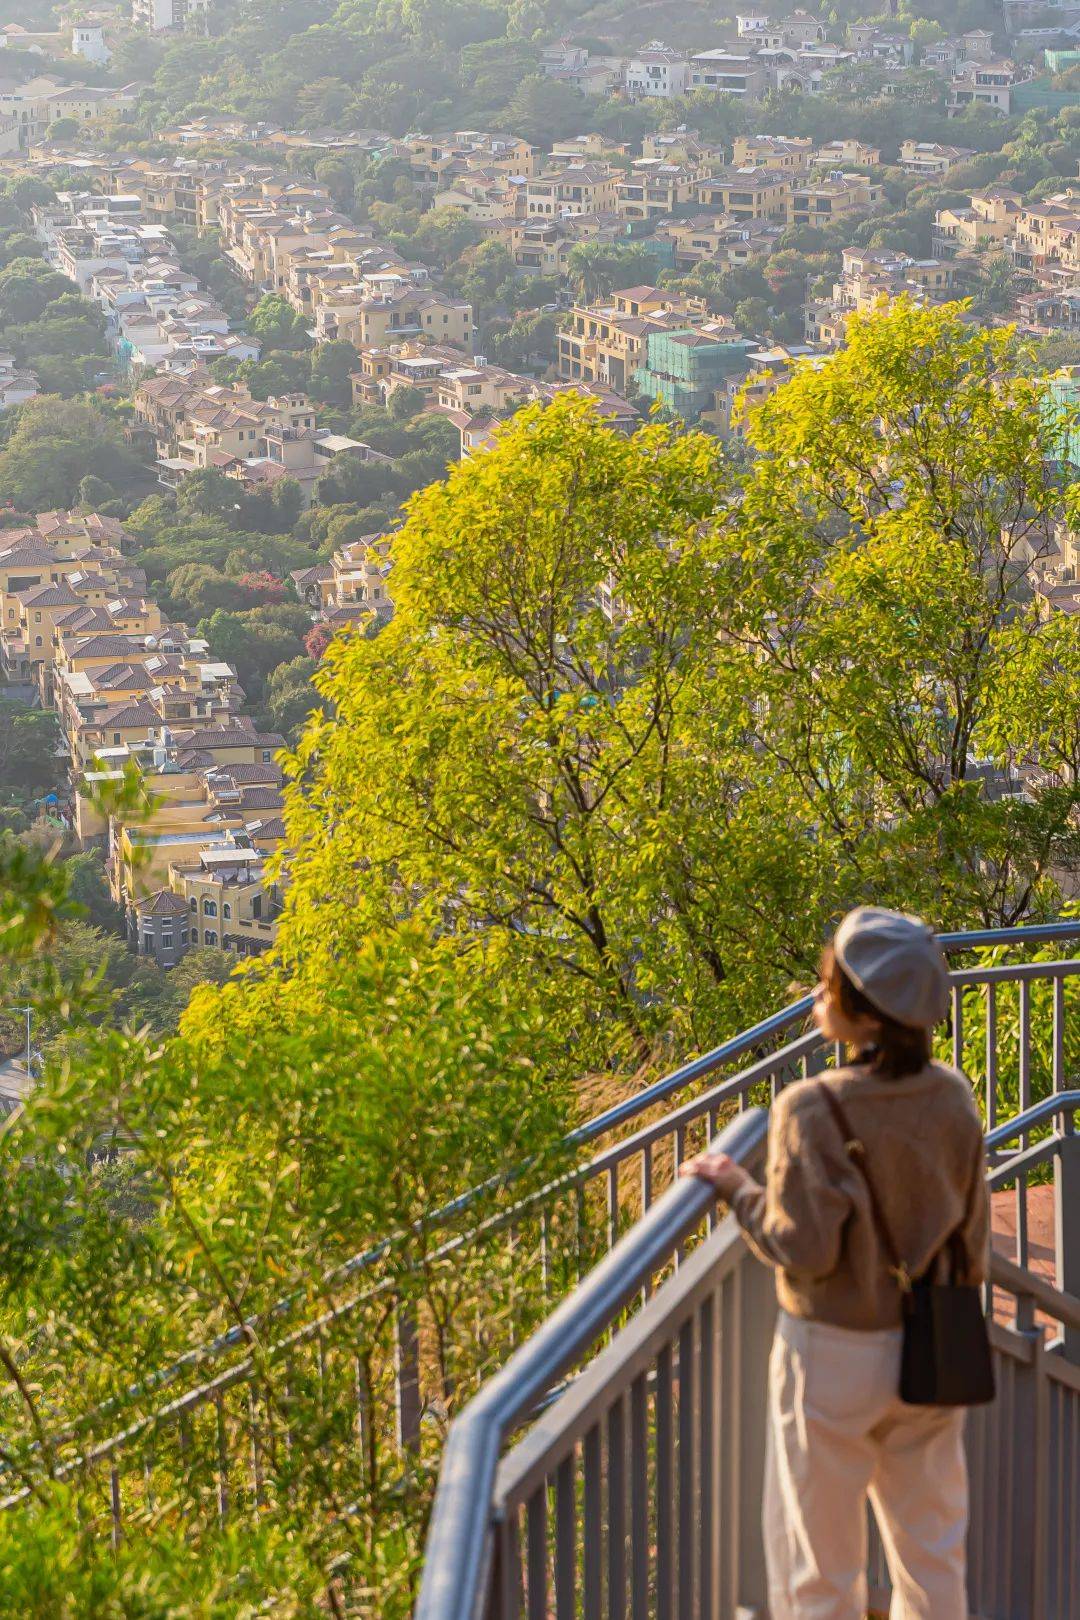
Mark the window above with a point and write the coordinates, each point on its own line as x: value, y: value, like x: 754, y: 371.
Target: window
x: 266, y: 756
x: 193, y: 903
x: 116, y: 736
x: 37, y: 641
x: 226, y: 911
x: 256, y: 906
x: 209, y: 937
x: 209, y: 908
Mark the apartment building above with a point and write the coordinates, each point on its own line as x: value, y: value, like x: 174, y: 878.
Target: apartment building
x: 656, y: 71
x: 984, y: 84
x: 730, y: 73
x: 481, y: 194
x: 33, y: 106
x: 932, y: 158
x: 747, y: 194
x: 682, y: 370
x: 739, y: 393
x: 1046, y: 235
x: 842, y: 153
x: 408, y: 364
x: 162, y: 16
x: 590, y: 147
x: 352, y: 588
x: 578, y: 188
x: 655, y: 188
x: 67, y: 564
x: 152, y: 323
x: 1048, y: 311
x: 819, y: 200
x: 183, y: 191
x: 432, y: 158
x: 112, y: 689
x: 475, y: 389
x: 542, y: 247
x: 681, y: 145
x: 193, y: 421
x: 870, y: 279
x: 787, y: 154
x: 216, y: 813
x: 374, y: 319
x: 227, y: 900
x: 717, y: 239
x: 991, y: 217
x: 607, y: 344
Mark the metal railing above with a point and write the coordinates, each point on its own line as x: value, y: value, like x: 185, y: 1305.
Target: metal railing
x: 1015, y: 1016
x: 638, y: 1489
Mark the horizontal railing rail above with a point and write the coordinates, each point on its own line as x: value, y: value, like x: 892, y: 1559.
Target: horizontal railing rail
x: 687, y: 1074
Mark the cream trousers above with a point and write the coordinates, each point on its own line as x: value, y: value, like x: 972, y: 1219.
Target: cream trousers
x: 838, y: 1433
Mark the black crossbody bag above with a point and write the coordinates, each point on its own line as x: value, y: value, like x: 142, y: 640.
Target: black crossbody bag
x: 945, y: 1360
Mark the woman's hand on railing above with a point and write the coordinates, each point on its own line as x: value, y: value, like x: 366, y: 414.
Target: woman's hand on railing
x: 720, y: 1171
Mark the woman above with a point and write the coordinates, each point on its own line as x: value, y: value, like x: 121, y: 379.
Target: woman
x: 838, y: 1431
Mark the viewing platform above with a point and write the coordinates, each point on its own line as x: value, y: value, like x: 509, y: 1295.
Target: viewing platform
x: 614, y: 1466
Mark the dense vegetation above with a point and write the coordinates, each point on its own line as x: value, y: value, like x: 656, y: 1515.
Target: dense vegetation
x: 644, y: 722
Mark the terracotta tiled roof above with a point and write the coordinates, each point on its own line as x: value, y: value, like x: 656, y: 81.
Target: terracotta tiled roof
x: 123, y: 717
x: 274, y: 828
x: 40, y: 596
x: 240, y: 775
x: 261, y: 798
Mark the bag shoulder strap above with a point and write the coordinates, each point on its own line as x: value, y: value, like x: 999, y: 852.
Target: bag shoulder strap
x: 857, y: 1154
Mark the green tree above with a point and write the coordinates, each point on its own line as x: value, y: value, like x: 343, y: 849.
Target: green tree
x: 31, y: 762
x: 277, y: 324
x: 27, y: 286
x: 543, y: 110
x: 752, y: 315
x: 646, y: 806
x: 332, y: 365
x: 254, y: 646
x: 54, y: 445
x: 597, y: 269
x: 88, y: 888
x: 406, y: 403
x: 290, y: 696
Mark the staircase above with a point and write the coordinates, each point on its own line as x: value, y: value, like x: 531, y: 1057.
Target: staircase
x: 613, y: 1467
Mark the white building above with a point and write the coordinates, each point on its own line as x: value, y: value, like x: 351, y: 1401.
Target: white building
x: 658, y: 71
x: 88, y: 40
x: 160, y: 15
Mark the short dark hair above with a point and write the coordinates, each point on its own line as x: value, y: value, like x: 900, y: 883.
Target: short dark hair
x: 898, y: 1049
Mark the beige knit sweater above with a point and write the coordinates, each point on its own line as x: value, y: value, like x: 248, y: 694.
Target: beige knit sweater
x: 923, y: 1145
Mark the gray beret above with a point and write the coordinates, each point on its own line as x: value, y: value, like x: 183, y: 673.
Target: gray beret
x: 897, y: 963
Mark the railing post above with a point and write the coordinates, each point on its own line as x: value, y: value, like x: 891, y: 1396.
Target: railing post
x: 1021, y: 1562
x: 407, y: 1379
x: 1067, y: 1232
x: 758, y: 1311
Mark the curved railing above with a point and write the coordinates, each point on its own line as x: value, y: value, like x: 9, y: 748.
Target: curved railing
x: 641, y: 1483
